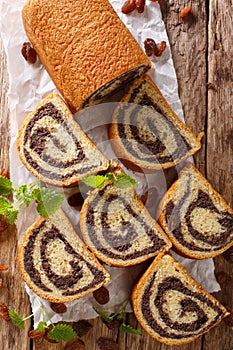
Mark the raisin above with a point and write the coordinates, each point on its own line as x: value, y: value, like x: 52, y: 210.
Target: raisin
x: 3, y: 268
x: 140, y: 5
x: 59, y: 308
x: 101, y: 295
x: 149, y: 45
x: 115, y: 324
x: 36, y: 335
x: 29, y: 53
x: 75, y: 344
x: 185, y: 11
x: 228, y: 254
x: 76, y: 200
x: 107, y: 344
x: 82, y: 327
x: 128, y: 6
x: 4, y: 172
x: 4, y: 314
x: 160, y: 48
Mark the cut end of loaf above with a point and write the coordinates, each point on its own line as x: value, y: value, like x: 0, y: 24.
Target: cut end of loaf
x: 171, y: 306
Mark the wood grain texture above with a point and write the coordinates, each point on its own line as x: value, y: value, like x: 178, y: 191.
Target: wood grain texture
x: 201, y: 45
x: 12, y: 293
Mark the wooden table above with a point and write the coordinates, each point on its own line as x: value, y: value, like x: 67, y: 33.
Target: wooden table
x: 202, y: 52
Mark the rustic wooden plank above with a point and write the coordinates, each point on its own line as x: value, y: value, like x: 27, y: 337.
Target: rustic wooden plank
x: 12, y: 293
x: 188, y: 40
x: 219, y: 160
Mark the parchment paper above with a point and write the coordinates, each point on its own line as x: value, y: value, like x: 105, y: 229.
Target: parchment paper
x: 30, y: 83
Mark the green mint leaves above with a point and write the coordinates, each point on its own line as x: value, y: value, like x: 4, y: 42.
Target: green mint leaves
x: 62, y: 332
x: 42, y: 325
x: 17, y: 319
x: 120, y: 315
x: 48, y: 200
x: 122, y: 181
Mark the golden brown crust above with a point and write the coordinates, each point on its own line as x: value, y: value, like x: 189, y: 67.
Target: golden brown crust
x: 162, y: 219
x: 83, y: 45
x: 63, y: 108
x: 135, y: 297
x: 121, y: 151
x: 32, y: 286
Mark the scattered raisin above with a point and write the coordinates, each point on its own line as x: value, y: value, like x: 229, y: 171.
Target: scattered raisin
x: 33, y: 334
x: 223, y: 278
x: 76, y: 200
x: 185, y: 11
x: 128, y: 6
x: 4, y: 172
x: 75, y: 344
x: 115, y: 324
x: 4, y: 314
x: 101, y: 295
x: 82, y: 327
x: 3, y: 268
x: 140, y: 5
x: 29, y: 53
x: 107, y: 344
x: 59, y: 308
x: 228, y: 254
x: 3, y: 226
x: 152, y: 48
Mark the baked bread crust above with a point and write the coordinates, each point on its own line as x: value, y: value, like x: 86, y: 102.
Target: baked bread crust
x: 117, y: 227
x: 53, y: 147
x: 83, y: 45
x: 70, y: 268
x: 175, y: 310
x: 145, y: 132
x: 197, y: 220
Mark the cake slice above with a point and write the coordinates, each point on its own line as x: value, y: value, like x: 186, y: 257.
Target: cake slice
x: 146, y: 133
x: 55, y: 263
x: 196, y: 218
x: 54, y: 148
x: 171, y: 306
x: 85, y: 47
x: 117, y: 227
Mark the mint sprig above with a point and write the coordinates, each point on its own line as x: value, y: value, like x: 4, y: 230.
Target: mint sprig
x: 48, y: 200
x: 122, y: 181
x: 104, y: 316
x: 17, y: 319
x: 62, y: 332
x: 126, y: 328
x: 42, y: 325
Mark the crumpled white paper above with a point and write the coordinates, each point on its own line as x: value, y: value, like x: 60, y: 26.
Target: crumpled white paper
x: 28, y: 84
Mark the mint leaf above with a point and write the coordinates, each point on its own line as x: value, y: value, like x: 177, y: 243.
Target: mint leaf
x: 4, y: 205
x: 41, y: 326
x: 104, y: 316
x: 49, y: 201
x: 12, y: 214
x: 16, y: 319
x: 124, y: 181
x: 5, y: 186
x: 26, y: 194
x: 62, y: 332
x: 126, y: 328
x: 95, y: 181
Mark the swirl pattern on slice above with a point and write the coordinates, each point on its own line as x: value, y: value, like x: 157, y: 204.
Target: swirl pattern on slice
x: 171, y: 306
x: 118, y: 229
x: 54, y: 148
x: 54, y: 262
x: 146, y: 132
x: 196, y: 218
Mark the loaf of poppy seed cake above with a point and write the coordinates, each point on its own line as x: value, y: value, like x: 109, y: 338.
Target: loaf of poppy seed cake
x: 85, y: 47
x: 196, y: 218
x: 55, y: 263
x: 54, y: 148
x: 117, y: 227
x: 146, y: 133
x: 171, y: 306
